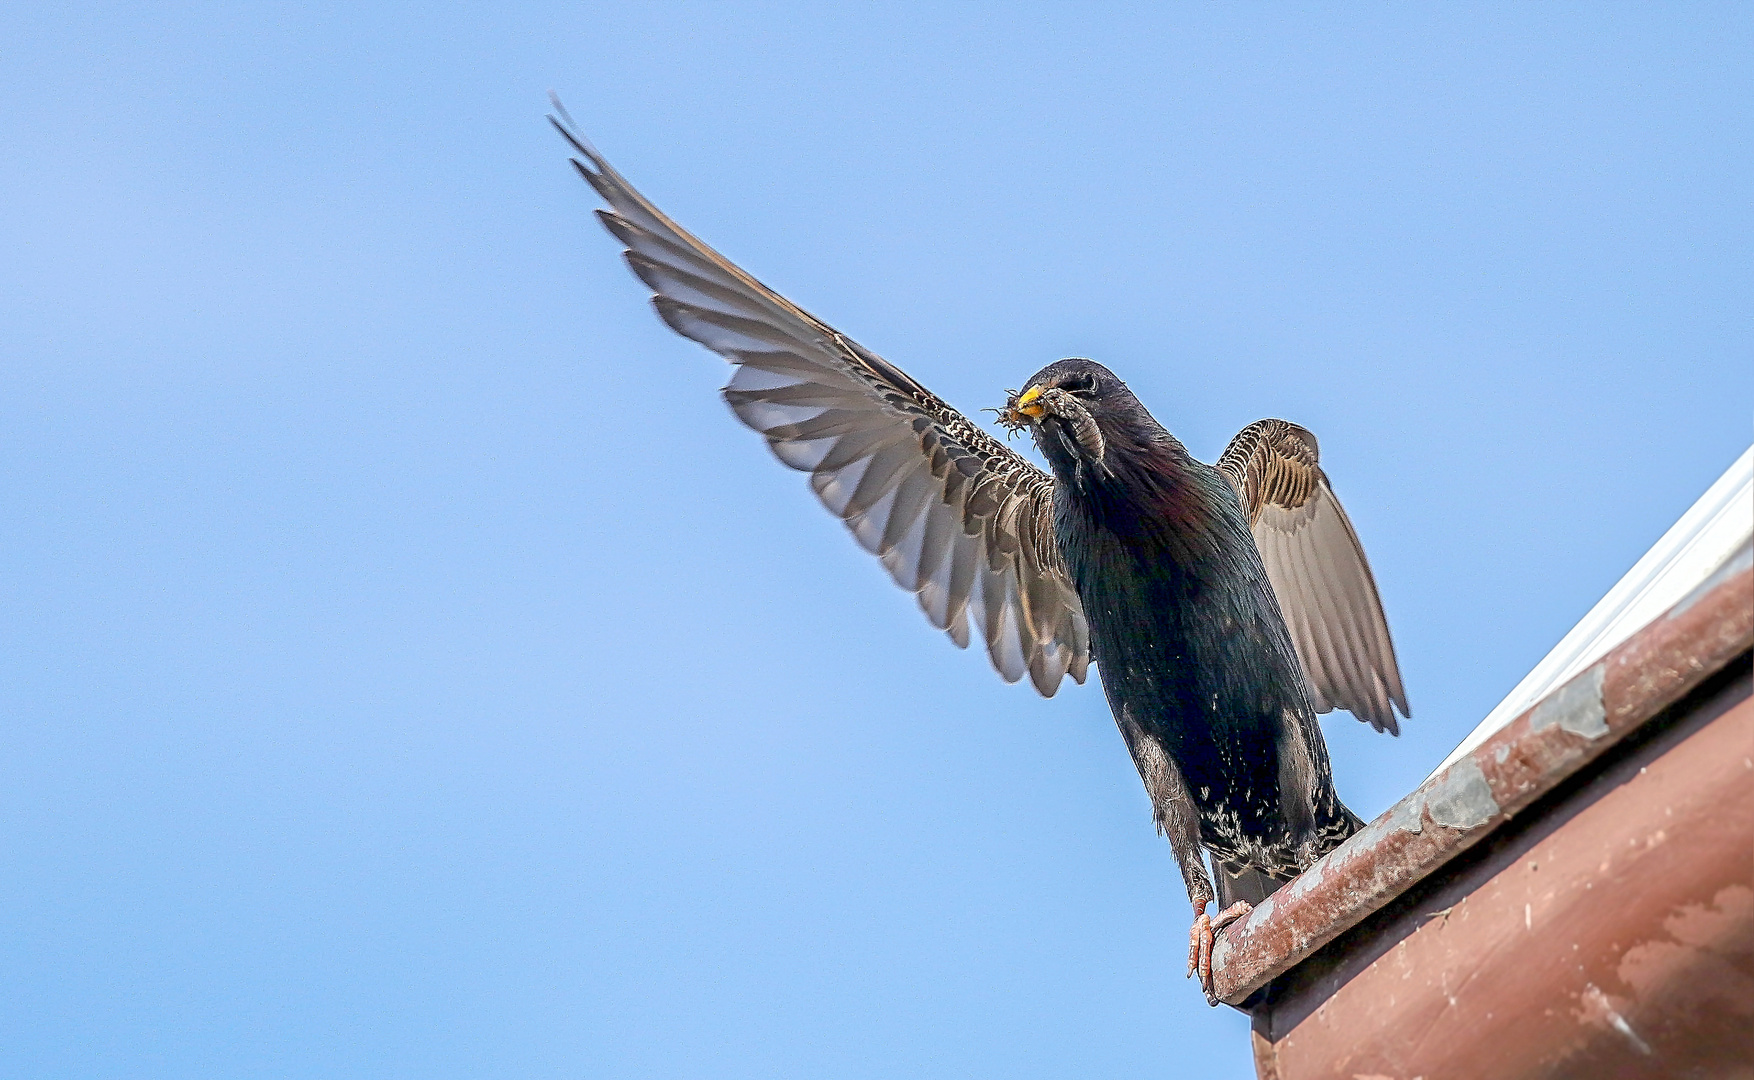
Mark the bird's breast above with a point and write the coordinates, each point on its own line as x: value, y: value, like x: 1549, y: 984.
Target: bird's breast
x: 1185, y: 631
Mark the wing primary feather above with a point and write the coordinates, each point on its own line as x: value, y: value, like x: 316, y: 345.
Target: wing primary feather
x: 1318, y: 570
x: 954, y: 514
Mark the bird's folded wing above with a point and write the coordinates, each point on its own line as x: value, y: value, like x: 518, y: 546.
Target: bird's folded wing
x: 958, y: 518
x: 1318, y: 571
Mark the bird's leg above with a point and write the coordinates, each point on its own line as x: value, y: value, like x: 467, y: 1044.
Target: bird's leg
x: 1204, y: 936
x: 1178, y: 819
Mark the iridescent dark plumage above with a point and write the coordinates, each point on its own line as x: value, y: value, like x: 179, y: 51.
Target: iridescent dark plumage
x: 1195, y: 657
x: 1224, y: 606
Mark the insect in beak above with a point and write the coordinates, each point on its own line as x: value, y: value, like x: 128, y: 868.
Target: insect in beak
x: 1022, y: 410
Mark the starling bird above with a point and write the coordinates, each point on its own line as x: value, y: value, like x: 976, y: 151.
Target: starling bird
x: 1224, y: 606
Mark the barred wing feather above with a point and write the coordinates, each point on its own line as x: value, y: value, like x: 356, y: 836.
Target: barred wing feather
x: 1318, y: 571
x: 955, y: 516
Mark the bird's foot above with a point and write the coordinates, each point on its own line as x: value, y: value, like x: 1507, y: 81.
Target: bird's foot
x: 1202, y: 937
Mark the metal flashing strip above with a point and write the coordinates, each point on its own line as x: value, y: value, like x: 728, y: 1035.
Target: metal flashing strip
x: 1710, y: 535
x: 1487, y: 786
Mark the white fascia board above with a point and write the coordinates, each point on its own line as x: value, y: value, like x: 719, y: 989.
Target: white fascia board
x: 1713, y: 531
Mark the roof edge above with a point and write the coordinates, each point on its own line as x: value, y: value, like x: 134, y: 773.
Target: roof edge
x: 1688, y: 552
x: 1483, y: 788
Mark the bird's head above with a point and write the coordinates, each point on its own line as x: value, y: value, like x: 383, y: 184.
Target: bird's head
x: 1073, y: 409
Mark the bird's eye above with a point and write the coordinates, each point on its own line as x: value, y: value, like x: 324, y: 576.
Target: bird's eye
x: 1080, y: 384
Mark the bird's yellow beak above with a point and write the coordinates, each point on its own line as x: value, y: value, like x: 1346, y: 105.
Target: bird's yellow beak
x: 1020, y: 409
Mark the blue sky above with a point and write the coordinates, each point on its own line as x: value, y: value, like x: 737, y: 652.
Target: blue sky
x: 411, y: 669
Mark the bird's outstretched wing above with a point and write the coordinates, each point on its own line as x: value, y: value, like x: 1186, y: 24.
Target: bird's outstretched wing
x: 1318, y: 571
x: 958, y: 518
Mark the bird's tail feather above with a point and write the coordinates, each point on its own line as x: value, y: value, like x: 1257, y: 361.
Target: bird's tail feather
x: 1244, y: 883
x: 1238, y: 882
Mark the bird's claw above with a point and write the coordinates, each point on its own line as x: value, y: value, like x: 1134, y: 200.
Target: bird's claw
x: 1201, y: 938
